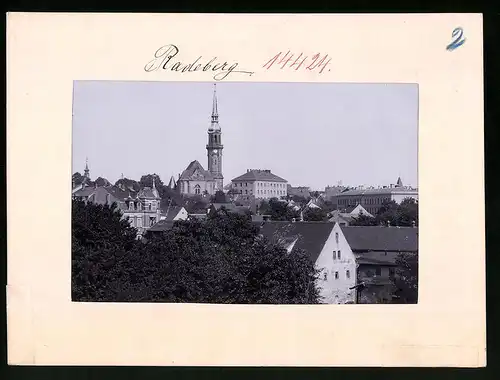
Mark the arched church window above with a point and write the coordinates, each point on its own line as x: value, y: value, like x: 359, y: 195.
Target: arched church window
x: 197, y: 189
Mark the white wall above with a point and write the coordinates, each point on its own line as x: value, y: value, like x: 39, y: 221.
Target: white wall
x: 182, y: 215
x: 336, y: 291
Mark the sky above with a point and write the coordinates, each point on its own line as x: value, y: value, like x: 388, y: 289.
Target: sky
x: 311, y: 134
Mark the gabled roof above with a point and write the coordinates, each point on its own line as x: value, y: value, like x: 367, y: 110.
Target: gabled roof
x: 375, y: 238
x: 172, y: 183
x: 148, y: 193
x: 172, y: 212
x: 259, y: 175
x: 196, y: 171
x: 85, y: 192
x: 120, y: 194
x: 312, y: 236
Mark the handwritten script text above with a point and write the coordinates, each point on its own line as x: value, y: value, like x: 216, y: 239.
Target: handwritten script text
x: 164, y: 60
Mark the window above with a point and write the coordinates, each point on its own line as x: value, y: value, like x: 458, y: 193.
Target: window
x: 246, y: 191
x: 378, y: 271
x: 336, y: 275
x: 325, y: 276
x: 132, y: 222
x: 197, y: 189
x: 337, y: 237
x: 338, y: 255
x: 154, y: 206
x: 152, y: 220
x: 392, y: 272
x: 149, y: 206
x: 348, y: 274
x: 139, y: 222
x: 334, y: 255
x: 131, y: 205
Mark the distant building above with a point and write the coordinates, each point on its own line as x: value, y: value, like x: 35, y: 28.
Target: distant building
x: 142, y: 208
x: 347, y: 256
x: 195, y: 180
x: 345, y: 218
x: 260, y: 183
x: 373, y: 198
x: 230, y: 207
x: 174, y: 213
x: 299, y: 191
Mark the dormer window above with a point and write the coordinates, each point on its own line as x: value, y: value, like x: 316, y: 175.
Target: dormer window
x: 131, y: 205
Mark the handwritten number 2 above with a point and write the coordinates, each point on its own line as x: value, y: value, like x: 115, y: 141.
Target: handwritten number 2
x: 458, y: 41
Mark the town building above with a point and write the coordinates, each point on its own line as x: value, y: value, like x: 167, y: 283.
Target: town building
x: 348, y: 256
x: 195, y: 180
x: 372, y: 198
x: 299, y: 191
x: 174, y: 213
x: 142, y: 208
x: 262, y: 184
x: 350, y: 213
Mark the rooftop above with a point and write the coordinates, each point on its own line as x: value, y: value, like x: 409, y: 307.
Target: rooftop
x: 376, y: 238
x: 259, y: 175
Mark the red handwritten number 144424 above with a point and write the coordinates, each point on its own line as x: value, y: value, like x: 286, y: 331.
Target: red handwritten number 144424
x: 291, y: 61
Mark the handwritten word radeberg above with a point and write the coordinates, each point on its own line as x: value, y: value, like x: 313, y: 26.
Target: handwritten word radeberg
x: 164, y: 55
x: 287, y: 60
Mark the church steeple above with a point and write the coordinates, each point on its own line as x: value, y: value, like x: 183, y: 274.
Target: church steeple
x: 214, y: 125
x: 86, y: 172
x: 214, y: 146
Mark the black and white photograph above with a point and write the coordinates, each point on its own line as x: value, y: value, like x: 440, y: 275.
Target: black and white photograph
x: 244, y: 192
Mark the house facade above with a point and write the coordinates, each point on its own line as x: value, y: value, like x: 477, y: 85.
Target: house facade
x: 373, y: 198
x: 261, y: 184
x: 356, y: 264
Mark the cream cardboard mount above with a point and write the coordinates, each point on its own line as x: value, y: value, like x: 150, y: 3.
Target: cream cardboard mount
x: 440, y: 52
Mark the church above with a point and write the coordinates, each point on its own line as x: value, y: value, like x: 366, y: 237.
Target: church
x: 195, y: 180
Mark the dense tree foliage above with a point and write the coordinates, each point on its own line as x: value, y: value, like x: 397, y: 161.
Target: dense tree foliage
x: 147, y: 181
x: 403, y: 215
x: 128, y: 184
x: 219, y: 197
x: 314, y: 214
x: 406, y: 279
x: 278, y: 210
x: 219, y: 260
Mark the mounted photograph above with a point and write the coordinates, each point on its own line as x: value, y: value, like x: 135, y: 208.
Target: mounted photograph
x: 245, y: 192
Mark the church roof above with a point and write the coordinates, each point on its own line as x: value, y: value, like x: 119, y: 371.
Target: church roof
x: 172, y: 183
x: 195, y: 171
x: 259, y: 175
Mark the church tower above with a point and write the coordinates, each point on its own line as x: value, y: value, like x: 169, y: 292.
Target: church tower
x: 86, y: 172
x: 214, y: 146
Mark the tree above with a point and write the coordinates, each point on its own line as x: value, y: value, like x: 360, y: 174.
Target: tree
x: 406, y: 279
x: 219, y: 260
x: 402, y: 215
x: 315, y: 214
x: 128, y: 184
x: 100, y: 181
x: 219, y: 197
x: 278, y: 210
x: 147, y: 181
x: 77, y: 178
x: 100, y: 241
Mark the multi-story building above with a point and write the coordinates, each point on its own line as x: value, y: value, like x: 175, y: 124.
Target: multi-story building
x: 373, y: 198
x: 142, y: 208
x: 262, y: 184
x: 356, y: 264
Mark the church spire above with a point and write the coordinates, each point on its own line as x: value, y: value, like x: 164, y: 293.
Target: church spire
x: 215, y: 114
x: 86, y: 172
x: 214, y: 125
